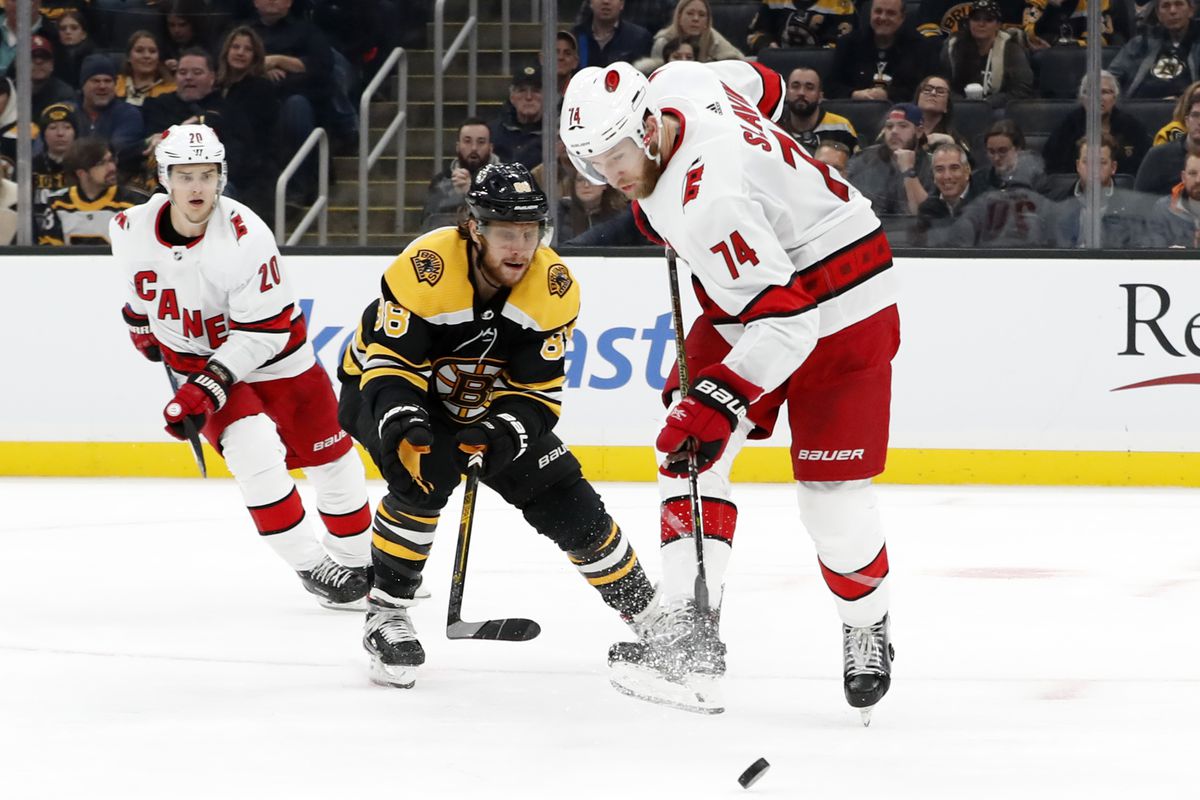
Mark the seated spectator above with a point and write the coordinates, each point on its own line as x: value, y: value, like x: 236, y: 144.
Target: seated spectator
x: 1009, y: 161
x: 648, y: 14
x: 1175, y: 220
x: 1013, y: 217
x: 8, y: 212
x: 566, y: 59
x: 937, y: 110
x: 805, y: 119
x: 952, y: 181
x: 8, y: 31
x: 143, y: 75
x: 586, y: 206
x: 447, y: 195
x: 250, y: 97
x: 1177, y: 127
x: 80, y: 213
x: 1162, y: 61
x: 1064, y: 23
x: 103, y: 116
x: 940, y: 18
x: 517, y: 131
x: 58, y: 130
x: 197, y: 100
x: 680, y: 50
x: 895, y: 174
x: 805, y: 23
x: 884, y: 61
x: 834, y: 154
x: 8, y: 129
x: 1161, y: 167
x: 1123, y: 220
x: 74, y: 46
x: 47, y: 89
x: 986, y: 62
x: 693, y: 19
x: 604, y: 37
x: 187, y: 27
x: 1129, y: 137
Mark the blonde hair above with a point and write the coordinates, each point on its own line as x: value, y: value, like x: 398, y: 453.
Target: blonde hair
x: 673, y: 31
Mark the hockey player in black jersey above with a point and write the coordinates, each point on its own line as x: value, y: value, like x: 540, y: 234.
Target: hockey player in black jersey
x: 465, y: 349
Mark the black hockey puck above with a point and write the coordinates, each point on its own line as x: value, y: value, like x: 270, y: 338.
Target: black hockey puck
x: 753, y: 773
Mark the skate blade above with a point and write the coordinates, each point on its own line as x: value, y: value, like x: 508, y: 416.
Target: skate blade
x: 354, y: 605
x: 395, y: 676
x: 695, y: 694
x: 865, y: 715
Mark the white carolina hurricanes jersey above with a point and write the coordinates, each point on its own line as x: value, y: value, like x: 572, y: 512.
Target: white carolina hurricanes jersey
x: 782, y: 250
x: 224, y: 295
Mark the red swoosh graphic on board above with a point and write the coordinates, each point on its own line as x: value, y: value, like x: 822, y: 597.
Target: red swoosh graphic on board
x: 1170, y: 380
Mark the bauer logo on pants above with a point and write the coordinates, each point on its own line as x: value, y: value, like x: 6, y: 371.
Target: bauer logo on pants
x: 829, y: 455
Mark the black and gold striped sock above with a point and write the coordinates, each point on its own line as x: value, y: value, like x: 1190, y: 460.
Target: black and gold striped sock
x: 400, y: 542
x: 611, y: 565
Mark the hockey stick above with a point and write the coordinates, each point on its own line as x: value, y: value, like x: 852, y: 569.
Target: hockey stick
x: 701, y: 588
x: 513, y: 629
x: 189, y: 429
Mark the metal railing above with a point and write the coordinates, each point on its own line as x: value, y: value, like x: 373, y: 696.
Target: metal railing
x: 397, y: 128
x: 321, y: 207
x: 441, y: 60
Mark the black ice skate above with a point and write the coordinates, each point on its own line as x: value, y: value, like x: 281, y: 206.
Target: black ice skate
x: 391, y: 640
x: 337, y: 587
x: 868, y: 655
x: 677, y: 660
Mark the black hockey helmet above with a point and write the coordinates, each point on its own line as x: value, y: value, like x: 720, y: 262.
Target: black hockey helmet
x: 506, y: 193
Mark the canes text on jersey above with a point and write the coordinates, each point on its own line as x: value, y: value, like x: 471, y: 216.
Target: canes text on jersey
x: 214, y: 329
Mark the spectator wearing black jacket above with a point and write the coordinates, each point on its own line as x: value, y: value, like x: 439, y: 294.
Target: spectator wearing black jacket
x: 1130, y: 140
x: 606, y: 37
x: 952, y: 180
x: 74, y: 45
x: 884, y: 61
x: 47, y: 89
x: 517, y: 131
x: 242, y: 82
x: 1162, y: 165
x: 1166, y: 58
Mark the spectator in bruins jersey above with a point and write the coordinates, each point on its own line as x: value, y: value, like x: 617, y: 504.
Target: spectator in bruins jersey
x: 58, y: 131
x: 1064, y: 22
x: 1164, y: 60
x: 464, y: 353
x: 80, y: 213
x: 693, y: 19
x: 815, y: 23
x: 1130, y: 139
x: 806, y: 120
x: 1161, y: 167
x: 937, y: 18
x: 1176, y: 129
x: 144, y: 74
x: 985, y: 62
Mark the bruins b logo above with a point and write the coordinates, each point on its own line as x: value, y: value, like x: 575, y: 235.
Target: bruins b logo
x: 559, y: 280
x: 429, y: 266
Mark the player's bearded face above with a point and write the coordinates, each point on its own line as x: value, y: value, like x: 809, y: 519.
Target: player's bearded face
x: 194, y: 190
x: 628, y: 170
x: 507, y: 250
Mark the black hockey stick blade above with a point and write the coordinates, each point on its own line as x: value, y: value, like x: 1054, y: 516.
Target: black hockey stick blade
x: 515, y: 629
x: 189, y: 429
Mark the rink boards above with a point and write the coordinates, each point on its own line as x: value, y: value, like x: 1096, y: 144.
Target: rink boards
x: 1020, y: 371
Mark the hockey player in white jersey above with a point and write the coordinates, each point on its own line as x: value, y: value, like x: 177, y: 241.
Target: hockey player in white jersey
x: 792, y: 271
x: 208, y: 294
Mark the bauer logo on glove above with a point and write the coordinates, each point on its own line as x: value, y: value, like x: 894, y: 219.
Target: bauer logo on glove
x: 702, y: 422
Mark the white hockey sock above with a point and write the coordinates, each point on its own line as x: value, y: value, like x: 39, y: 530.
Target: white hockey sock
x: 345, y: 512
x: 843, y: 520
x: 256, y: 457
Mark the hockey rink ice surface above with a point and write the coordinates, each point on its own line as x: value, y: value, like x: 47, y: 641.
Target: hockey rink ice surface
x: 1047, y: 646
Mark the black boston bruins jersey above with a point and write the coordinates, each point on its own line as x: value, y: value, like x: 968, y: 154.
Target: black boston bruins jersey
x: 429, y: 339
x: 67, y: 218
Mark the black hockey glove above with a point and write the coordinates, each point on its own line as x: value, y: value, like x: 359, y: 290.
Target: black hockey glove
x: 405, y: 435
x: 502, y: 437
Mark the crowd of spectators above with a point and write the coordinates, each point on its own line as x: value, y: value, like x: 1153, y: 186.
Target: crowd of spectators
x: 925, y: 106
x: 109, y: 76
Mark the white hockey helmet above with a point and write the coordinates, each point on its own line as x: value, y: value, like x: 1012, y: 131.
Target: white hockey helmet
x: 190, y: 144
x: 602, y: 106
